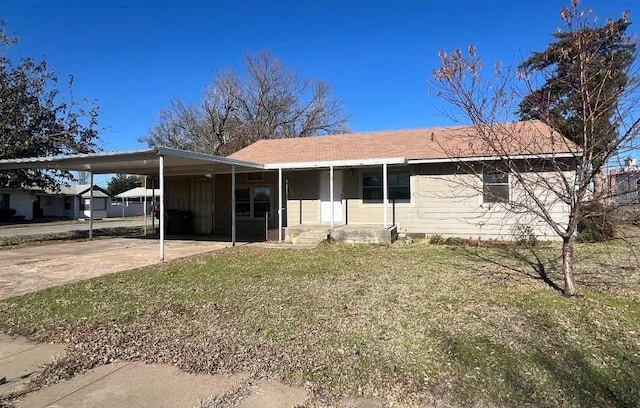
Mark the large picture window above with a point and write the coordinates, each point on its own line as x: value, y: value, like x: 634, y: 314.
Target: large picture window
x: 398, y: 185
x: 495, y: 186
x: 253, y: 201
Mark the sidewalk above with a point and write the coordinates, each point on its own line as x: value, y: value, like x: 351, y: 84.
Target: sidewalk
x: 140, y: 385
x: 131, y: 384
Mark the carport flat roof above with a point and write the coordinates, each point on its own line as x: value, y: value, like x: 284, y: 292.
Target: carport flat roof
x: 144, y: 162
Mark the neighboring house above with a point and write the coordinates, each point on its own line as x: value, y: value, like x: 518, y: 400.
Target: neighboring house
x: 624, y: 184
x: 21, y: 201
x: 72, y: 202
x: 130, y: 203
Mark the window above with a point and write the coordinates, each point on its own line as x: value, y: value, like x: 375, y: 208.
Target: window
x: 495, y: 186
x: 67, y: 203
x: 261, y: 201
x: 243, y: 202
x: 398, y: 186
x: 253, y: 201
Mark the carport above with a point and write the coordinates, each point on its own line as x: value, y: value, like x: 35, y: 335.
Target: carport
x: 157, y: 162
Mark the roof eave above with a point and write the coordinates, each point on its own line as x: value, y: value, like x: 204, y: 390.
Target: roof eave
x: 335, y: 163
x: 546, y: 156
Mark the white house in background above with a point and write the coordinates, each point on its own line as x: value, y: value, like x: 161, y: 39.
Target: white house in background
x: 72, y: 202
x: 130, y: 203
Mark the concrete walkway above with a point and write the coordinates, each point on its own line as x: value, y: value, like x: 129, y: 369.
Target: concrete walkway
x: 135, y: 384
x: 130, y: 384
x: 20, y: 358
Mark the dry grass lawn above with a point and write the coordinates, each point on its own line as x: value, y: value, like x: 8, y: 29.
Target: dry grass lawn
x: 409, y: 324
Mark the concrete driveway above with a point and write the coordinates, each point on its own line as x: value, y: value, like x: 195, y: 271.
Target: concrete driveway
x: 28, y: 270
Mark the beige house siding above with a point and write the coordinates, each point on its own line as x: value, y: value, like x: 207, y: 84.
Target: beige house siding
x: 441, y: 203
x: 303, y: 188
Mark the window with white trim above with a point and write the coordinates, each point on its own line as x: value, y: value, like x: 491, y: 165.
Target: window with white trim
x: 253, y: 202
x: 398, y: 186
x: 495, y: 186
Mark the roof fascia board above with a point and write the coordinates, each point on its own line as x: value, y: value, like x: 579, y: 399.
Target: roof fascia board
x: 336, y: 163
x: 85, y: 161
x: 490, y: 158
x: 71, y: 161
x: 185, y: 154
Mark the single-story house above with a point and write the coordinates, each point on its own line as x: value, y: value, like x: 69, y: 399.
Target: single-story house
x: 624, y: 184
x: 429, y: 188
x: 418, y: 182
x: 132, y: 202
x: 72, y: 202
x: 19, y: 200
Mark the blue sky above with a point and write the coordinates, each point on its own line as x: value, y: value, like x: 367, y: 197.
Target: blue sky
x: 133, y: 57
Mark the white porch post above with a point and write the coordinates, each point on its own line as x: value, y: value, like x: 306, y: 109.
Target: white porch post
x: 161, y: 178
x: 144, y: 205
x: 385, y: 194
x: 153, y: 201
x: 91, y: 206
x: 233, y: 205
x: 333, y: 207
x: 280, y: 204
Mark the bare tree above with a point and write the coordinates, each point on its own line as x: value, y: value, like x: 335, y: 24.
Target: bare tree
x: 268, y: 101
x: 82, y: 177
x: 557, y: 186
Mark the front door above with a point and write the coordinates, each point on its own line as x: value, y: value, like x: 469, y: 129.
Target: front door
x: 325, y: 197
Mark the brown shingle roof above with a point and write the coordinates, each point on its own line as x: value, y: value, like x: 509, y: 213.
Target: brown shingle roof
x: 517, y: 138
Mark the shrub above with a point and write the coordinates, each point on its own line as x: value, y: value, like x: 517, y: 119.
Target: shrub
x: 524, y: 236
x: 7, y: 214
x: 596, y: 225
x: 453, y: 241
x: 437, y: 239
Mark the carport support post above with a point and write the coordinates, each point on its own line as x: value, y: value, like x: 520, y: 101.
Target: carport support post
x: 333, y: 207
x: 233, y: 205
x: 280, y: 204
x: 161, y: 177
x: 91, y: 206
x: 385, y: 194
x: 144, y: 206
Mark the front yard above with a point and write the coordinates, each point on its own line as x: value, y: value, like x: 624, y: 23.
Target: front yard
x: 408, y: 323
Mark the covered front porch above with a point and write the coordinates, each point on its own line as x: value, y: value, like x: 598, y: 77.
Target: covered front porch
x: 352, y: 200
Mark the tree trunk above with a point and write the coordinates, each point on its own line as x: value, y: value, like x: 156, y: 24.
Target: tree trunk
x: 568, y: 245
x: 599, y: 192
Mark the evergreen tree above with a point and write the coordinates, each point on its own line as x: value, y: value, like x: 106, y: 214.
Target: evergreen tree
x: 584, y: 58
x: 123, y: 182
